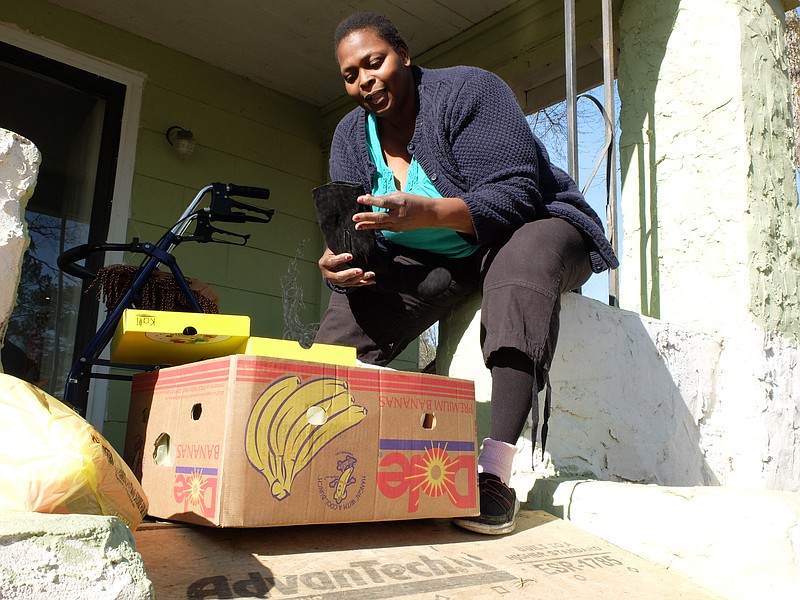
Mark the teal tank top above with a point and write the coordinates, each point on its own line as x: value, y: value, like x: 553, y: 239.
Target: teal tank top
x: 440, y: 241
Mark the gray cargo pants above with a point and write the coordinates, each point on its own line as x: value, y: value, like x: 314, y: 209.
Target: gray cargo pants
x: 521, y: 280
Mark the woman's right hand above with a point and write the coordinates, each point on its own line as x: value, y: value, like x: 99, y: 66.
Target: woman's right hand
x: 334, y: 268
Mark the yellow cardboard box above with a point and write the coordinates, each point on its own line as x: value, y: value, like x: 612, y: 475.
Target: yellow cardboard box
x: 153, y: 337
x: 290, y: 349
x: 246, y: 441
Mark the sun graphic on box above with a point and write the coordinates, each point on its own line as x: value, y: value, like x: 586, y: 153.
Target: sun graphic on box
x: 195, y: 488
x: 435, y: 473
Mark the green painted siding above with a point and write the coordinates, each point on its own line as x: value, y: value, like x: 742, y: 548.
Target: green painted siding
x: 246, y: 134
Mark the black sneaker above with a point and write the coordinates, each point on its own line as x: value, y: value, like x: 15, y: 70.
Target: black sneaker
x: 499, y: 506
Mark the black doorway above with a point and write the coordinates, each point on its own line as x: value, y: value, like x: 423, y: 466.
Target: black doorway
x: 74, y: 118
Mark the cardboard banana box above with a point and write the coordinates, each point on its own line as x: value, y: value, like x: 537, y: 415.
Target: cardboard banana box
x: 247, y: 441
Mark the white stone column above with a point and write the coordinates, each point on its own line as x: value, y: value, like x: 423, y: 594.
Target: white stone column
x: 710, y: 213
x: 19, y: 168
x: 709, y: 202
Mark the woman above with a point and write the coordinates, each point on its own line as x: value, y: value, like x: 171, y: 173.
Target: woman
x: 456, y: 179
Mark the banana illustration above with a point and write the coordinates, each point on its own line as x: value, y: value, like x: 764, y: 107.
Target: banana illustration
x: 280, y: 441
x: 319, y: 437
x: 328, y: 394
x: 262, y: 414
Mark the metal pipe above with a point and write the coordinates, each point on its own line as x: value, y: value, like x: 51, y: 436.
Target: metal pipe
x: 611, y: 171
x: 571, y: 89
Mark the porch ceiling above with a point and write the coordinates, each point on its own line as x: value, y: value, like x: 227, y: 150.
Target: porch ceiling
x: 286, y: 45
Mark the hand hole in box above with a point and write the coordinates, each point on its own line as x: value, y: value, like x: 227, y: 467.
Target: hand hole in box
x: 189, y: 330
x: 197, y: 410
x: 428, y: 421
x: 316, y: 415
x: 164, y: 453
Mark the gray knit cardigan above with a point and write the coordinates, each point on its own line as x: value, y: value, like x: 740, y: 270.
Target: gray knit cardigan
x: 473, y: 142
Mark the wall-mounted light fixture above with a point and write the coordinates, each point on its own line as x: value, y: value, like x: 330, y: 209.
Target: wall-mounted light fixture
x: 181, y: 140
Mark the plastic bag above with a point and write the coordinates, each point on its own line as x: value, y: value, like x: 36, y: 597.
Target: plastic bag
x: 54, y: 461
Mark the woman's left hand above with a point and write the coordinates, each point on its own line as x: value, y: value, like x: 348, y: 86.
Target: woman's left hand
x: 407, y: 212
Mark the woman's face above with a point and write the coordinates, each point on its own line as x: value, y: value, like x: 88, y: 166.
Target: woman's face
x: 375, y: 75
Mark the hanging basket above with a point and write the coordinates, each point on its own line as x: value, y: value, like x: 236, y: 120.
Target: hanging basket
x: 160, y: 292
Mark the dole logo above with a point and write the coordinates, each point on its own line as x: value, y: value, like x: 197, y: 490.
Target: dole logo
x: 195, y: 489
x: 432, y: 472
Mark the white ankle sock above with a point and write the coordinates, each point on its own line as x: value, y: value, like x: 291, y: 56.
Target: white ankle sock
x: 496, y: 458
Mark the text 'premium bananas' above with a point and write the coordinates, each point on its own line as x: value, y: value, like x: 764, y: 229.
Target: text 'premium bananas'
x: 290, y: 422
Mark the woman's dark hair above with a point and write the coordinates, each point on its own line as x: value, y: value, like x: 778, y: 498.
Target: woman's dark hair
x: 385, y: 29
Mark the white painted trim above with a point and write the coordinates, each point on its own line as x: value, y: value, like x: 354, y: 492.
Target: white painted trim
x: 123, y: 182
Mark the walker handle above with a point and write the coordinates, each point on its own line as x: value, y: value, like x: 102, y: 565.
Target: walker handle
x: 248, y: 191
x: 67, y: 259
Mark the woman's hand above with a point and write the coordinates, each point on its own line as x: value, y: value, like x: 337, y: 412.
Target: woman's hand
x: 334, y: 268
x: 407, y: 212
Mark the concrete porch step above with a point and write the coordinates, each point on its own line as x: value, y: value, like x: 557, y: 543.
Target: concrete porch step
x: 614, y: 541
x: 545, y: 557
